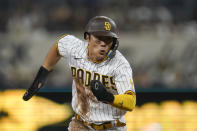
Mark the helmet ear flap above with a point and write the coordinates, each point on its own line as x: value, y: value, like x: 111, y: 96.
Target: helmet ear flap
x: 114, y: 42
x: 114, y: 47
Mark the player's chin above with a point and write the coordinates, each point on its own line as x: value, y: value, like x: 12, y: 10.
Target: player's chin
x: 101, y: 57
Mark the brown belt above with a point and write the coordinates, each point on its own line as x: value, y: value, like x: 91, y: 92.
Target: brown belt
x: 103, y: 126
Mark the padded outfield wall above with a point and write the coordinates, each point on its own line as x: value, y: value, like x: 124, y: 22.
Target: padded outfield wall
x: 50, y: 110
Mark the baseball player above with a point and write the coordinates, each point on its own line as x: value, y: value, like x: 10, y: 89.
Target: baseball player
x: 103, y: 88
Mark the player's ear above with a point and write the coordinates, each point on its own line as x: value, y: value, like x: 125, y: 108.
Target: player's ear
x: 87, y: 36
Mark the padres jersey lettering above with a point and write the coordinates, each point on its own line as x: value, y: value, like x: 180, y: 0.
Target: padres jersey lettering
x: 115, y: 74
x: 86, y: 77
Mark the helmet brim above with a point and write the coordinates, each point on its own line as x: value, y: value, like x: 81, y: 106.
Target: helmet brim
x: 104, y: 33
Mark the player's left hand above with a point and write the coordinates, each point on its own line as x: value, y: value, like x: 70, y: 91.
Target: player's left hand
x: 100, y: 92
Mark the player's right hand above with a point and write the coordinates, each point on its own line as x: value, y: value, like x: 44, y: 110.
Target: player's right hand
x: 31, y: 91
x: 37, y: 84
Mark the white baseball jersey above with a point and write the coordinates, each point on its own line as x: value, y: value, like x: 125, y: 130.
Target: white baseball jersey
x: 115, y: 74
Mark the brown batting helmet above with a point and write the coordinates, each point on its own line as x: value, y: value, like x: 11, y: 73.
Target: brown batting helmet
x: 101, y: 26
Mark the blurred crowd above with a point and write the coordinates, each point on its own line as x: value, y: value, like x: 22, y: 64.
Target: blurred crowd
x: 166, y: 59
x: 131, y: 15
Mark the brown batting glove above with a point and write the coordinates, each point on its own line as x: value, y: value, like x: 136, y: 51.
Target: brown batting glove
x: 100, y: 92
x: 37, y: 84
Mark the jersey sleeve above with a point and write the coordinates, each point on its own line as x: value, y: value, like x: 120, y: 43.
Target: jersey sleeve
x: 124, y: 79
x: 66, y: 44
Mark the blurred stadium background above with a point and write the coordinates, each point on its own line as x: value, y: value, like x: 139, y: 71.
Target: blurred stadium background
x: 158, y: 38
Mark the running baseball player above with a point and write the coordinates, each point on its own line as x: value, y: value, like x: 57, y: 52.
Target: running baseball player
x: 103, y: 88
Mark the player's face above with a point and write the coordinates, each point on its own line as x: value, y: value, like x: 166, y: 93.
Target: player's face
x: 99, y: 47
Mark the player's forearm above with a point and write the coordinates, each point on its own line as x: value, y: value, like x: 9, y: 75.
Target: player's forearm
x: 51, y: 58
x: 125, y: 101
